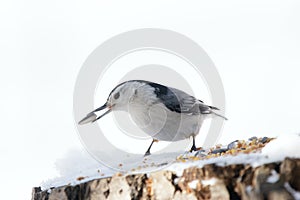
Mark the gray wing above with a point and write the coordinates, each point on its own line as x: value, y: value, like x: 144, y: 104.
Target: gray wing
x: 192, y: 106
x: 189, y: 104
x: 179, y: 101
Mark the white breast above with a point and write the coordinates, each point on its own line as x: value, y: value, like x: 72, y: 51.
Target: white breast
x: 162, y: 124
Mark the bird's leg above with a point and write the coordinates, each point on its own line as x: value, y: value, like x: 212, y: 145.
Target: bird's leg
x: 194, y: 145
x: 148, y: 151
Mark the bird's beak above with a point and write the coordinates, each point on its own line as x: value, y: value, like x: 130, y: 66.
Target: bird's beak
x: 92, y: 117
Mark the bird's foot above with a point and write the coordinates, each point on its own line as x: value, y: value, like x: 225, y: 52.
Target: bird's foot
x: 194, y: 148
x: 147, y: 154
x: 148, y: 151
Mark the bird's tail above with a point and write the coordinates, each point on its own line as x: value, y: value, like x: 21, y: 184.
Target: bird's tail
x: 219, y: 115
x: 212, y: 110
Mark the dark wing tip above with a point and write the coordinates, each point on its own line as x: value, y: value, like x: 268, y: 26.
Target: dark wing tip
x: 213, y: 107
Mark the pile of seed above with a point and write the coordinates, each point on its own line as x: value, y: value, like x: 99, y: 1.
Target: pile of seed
x: 252, y: 145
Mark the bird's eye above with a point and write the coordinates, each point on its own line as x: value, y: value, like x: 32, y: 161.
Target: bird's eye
x: 117, y: 95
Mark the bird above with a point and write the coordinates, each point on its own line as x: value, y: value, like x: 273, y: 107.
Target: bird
x: 165, y: 113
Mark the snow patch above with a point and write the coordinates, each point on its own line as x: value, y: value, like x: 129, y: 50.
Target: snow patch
x: 249, y: 189
x: 211, y: 181
x: 283, y: 146
x: 193, y: 184
x: 274, y: 177
x: 78, y: 166
x: 295, y: 193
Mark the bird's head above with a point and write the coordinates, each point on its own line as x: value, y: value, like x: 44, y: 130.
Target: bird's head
x: 118, y: 99
x: 121, y: 96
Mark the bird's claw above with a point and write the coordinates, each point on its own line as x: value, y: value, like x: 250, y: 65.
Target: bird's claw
x: 147, y: 154
x: 194, y: 148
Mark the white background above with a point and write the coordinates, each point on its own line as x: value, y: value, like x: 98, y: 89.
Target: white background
x: 255, y: 45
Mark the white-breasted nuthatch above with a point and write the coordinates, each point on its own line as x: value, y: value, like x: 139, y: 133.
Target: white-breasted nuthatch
x: 164, y: 113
